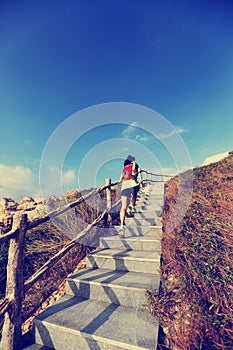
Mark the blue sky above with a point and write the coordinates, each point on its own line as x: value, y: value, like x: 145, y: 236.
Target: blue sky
x: 60, y: 57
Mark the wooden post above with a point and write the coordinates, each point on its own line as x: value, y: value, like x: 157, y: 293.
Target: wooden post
x: 109, y: 200
x: 108, y: 193
x: 140, y: 177
x: 11, y: 333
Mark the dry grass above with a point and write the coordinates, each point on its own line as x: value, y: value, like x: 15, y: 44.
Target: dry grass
x: 195, y: 303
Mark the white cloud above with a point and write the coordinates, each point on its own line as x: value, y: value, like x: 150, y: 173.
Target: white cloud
x: 215, y: 158
x: 171, y: 133
x: 143, y: 138
x: 68, y: 176
x: 54, y: 181
x: 17, y: 182
x: 129, y: 130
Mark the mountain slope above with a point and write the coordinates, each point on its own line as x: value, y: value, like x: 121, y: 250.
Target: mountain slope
x: 195, y: 303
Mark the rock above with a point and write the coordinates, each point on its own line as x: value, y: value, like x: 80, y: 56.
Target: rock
x: 27, y: 204
x: 7, y: 204
x: 7, y: 208
x: 72, y: 194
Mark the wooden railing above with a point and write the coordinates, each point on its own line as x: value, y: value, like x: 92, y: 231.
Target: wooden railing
x: 15, y: 286
x: 155, y: 177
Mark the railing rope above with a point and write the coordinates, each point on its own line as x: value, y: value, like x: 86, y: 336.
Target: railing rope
x: 64, y: 250
x: 149, y: 176
x: 60, y: 211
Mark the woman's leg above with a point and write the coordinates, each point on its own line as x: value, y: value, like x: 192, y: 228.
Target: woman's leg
x: 134, y: 196
x: 124, y: 205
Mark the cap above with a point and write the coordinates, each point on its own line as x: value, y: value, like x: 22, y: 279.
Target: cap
x: 131, y: 158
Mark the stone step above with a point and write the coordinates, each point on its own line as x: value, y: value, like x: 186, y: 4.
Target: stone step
x: 139, y: 221
x: 75, y: 323
x: 137, y: 231
x: 146, y: 214
x: 125, y: 260
x: 155, y: 198
x: 117, y: 287
x: 136, y: 243
x: 155, y: 193
x: 36, y: 347
x: 142, y: 214
x: 155, y: 190
x: 149, y: 199
x: 151, y: 207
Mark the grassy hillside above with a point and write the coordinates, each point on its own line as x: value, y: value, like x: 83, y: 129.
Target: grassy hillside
x: 195, y: 303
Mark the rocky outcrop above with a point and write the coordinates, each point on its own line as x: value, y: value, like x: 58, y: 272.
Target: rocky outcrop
x: 33, y: 207
x: 27, y: 203
x: 7, y: 208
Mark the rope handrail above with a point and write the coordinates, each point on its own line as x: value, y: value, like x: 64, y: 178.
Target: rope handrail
x: 53, y: 214
x: 154, y: 174
x: 65, y: 249
x: 38, y: 221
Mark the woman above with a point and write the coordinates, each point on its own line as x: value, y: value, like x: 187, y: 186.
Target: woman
x: 129, y: 190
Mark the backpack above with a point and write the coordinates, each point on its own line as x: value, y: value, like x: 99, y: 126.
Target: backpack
x: 127, y: 173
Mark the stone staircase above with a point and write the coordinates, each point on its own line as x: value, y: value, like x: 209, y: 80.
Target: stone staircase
x: 105, y: 304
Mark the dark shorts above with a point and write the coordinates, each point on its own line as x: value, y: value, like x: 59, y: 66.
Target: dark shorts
x: 127, y: 192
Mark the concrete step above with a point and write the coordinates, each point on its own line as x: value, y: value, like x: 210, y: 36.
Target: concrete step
x: 149, y: 201
x: 75, y: 323
x: 137, y: 231
x: 117, y: 287
x: 140, y: 214
x: 36, y: 347
x: 147, y: 213
x: 136, y: 243
x: 139, y: 221
x: 154, y: 198
x: 128, y: 260
x: 155, y: 194
x: 150, y: 207
x: 154, y: 191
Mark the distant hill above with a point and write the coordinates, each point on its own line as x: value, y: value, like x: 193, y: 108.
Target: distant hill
x: 195, y: 303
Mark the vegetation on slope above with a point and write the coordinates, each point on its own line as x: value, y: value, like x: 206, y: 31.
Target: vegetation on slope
x: 195, y: 302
